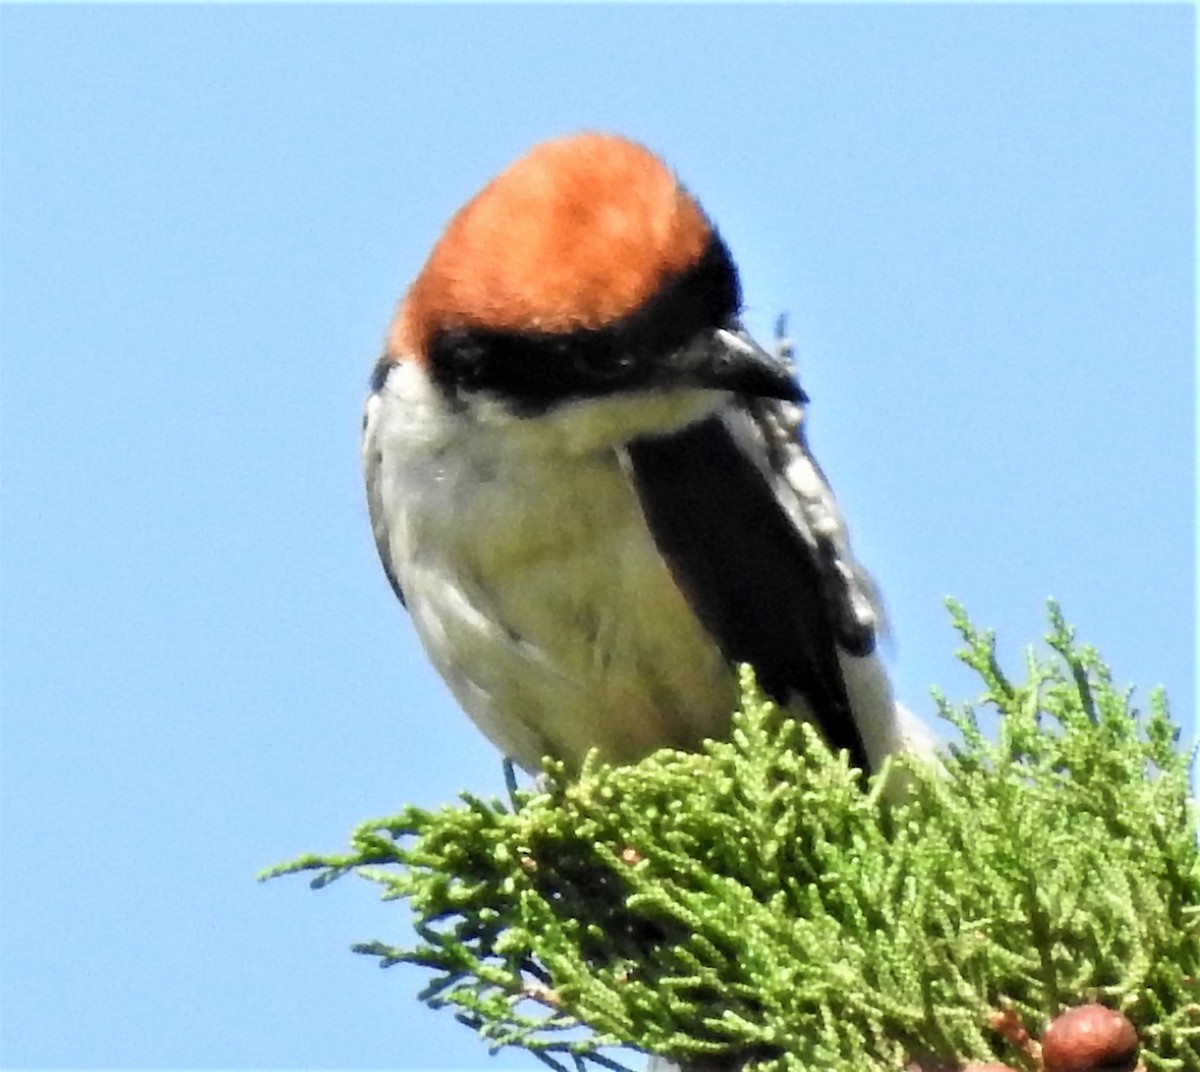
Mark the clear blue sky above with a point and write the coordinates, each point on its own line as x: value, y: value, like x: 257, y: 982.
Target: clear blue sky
x: 979, y: 218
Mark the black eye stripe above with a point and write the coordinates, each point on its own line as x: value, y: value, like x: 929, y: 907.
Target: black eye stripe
x: 533, y: 371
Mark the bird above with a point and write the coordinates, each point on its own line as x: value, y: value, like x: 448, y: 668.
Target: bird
x: 592, y: 489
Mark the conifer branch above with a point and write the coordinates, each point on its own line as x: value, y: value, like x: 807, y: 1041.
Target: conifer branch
x: 757, y: 904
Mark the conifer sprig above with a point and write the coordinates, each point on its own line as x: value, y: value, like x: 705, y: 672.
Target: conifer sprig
x: 753, y: 902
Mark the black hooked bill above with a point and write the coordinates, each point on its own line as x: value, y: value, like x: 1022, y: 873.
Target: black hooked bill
x: 728, y: 359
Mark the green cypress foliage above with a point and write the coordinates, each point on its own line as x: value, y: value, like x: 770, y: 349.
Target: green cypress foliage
x: 756, y: 904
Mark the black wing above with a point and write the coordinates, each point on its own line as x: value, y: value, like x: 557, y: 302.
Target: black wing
x: 759, y: 586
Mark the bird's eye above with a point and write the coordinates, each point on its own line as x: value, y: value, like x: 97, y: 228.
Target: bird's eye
x: 602, y: 364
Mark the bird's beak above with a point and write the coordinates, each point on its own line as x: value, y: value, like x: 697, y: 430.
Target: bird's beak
x: 728, y: 359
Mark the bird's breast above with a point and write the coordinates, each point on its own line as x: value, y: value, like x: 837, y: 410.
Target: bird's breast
x: 538, y: 591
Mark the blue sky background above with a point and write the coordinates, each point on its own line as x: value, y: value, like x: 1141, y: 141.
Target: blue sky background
x: 979, y: 218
